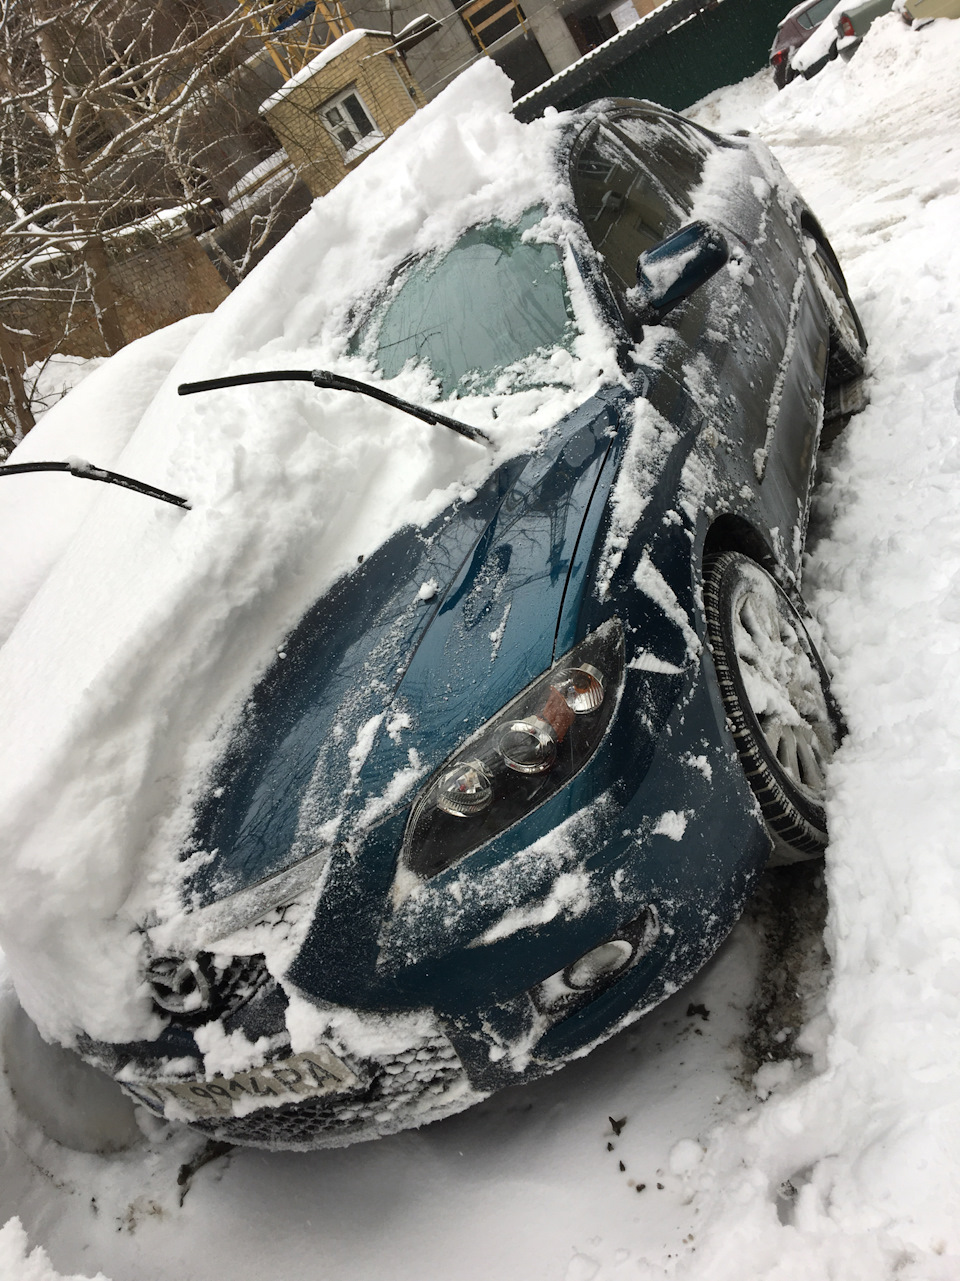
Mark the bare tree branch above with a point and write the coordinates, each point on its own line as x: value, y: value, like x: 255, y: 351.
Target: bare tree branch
x: 109, y: 112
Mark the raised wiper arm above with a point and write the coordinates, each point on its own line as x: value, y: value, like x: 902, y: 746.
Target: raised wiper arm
x: 337, y: 382
x: 87, y: 471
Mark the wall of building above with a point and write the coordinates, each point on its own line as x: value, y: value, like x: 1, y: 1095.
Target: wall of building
x: 258, y: 213
x: 388, y: 92
x: 436, y: 60
x: 156, y: 282
x: 552, y: 33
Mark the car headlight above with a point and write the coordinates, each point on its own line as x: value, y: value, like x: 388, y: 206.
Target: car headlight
x: 515, y: 762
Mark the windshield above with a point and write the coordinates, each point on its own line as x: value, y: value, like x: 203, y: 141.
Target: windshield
x: 491, y: 302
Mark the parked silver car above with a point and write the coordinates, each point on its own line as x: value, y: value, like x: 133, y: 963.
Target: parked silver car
x: 926, y: 10
x: 795, y: 30
x: 854, y: 23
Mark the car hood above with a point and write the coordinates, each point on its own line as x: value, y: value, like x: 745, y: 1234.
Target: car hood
x: 401, y: 661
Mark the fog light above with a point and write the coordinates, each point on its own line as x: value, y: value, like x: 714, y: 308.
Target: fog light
x: 599, y: 964
x: 464, y: 790
x: 529, y: 746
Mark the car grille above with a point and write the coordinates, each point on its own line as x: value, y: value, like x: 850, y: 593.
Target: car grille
x: 422, y: 1084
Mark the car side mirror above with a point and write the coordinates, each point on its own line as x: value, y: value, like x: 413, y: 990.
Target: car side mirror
x: 674, y: 269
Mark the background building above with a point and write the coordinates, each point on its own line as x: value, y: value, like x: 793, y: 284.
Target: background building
x: 188, y: 136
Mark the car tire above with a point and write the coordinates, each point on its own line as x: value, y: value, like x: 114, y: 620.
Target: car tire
x: 847, y: 353
x: 776, y: 695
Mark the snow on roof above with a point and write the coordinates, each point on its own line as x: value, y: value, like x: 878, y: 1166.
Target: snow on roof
x: 420, y: 20
x: 316, y: 65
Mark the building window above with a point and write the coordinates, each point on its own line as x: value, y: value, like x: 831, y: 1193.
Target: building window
x: 350, y: 124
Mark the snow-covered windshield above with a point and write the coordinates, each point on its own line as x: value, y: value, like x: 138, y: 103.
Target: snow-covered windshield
x: 490, y: 303
x: 292, y: 487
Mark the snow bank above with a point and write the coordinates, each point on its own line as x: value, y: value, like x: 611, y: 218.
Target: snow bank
x: 19, y: 1263
x: 40, y: 514
x: 855, y: 1172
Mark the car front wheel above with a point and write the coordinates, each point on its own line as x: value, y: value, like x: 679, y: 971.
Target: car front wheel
x: 776, y: 695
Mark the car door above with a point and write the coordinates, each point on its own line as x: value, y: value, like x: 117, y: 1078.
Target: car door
x: 637, y: 179
x: 726, y: 357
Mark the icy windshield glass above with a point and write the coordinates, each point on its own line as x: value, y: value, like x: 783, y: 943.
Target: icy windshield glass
x: 491, y: 302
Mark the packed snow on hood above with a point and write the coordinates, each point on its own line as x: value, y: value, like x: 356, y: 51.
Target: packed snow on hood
x: 789, y: 1114
x: 133, y: 630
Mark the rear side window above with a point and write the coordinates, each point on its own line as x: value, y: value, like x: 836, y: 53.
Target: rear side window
x: 813, y: 16
x: 633, y: 180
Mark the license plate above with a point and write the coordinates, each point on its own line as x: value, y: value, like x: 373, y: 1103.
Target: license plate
x: 308, y: 1075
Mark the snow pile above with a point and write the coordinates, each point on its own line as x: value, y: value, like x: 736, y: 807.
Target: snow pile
x: 38, y: 518
x: 149, y: 625
x: 856, y: 1172
x: 19, y: 1263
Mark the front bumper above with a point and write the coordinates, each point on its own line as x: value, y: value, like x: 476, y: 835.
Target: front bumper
x: 484, y: 1019
x: 315, y: 1099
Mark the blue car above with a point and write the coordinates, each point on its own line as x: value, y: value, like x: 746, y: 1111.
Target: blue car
x: 510, y: 782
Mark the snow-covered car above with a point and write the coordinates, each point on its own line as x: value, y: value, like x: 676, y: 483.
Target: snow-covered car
x: 841, y: 31
x: 795, y: 29
x: 812, y: 34
x: 854, y: 21
x: 508, y: 781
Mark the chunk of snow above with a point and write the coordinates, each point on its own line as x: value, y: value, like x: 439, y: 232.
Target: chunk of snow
x: 672, y: 823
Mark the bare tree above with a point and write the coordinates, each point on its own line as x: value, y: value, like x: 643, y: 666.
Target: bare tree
x: 102, y: 108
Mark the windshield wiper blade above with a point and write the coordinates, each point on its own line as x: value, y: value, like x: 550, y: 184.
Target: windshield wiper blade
x: 88, y: 471
x: 338, y: 382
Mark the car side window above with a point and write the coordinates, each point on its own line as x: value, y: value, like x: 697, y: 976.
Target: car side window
x: 633, y: 181
x: 675, y: 153
x: 813, y: 16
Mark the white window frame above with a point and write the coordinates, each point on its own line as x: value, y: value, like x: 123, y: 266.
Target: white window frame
x: 362, y: 145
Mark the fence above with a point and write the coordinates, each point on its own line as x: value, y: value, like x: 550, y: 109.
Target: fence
x: 675, y: 55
